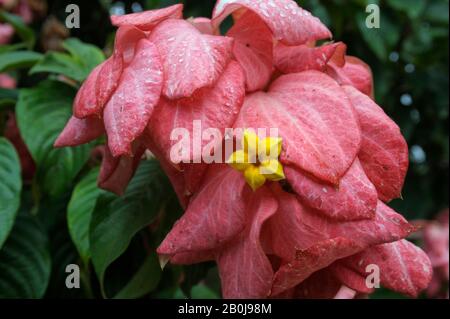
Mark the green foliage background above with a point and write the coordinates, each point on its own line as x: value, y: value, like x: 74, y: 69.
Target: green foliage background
x: 61, y: 217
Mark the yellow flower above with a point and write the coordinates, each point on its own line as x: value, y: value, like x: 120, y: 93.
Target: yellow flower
x: 258, y: 160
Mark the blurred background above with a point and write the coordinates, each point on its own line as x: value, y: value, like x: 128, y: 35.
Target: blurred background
x: 409, y: 56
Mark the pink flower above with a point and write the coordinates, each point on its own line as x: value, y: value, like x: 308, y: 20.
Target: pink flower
x: 6, y: 33
x: 20, y: 8
x: 317, y: 206
x: 7, y: 82
x: 435, y: 235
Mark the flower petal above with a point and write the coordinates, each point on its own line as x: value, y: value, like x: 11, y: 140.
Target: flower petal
x: 214, y: 216
x: 354, y: 199
x: 191, y: 60
x: 310, y: 260
x: 210, y: 108
x: 384, y: 152
x: 350, y: 278
x: 298, y: 227
x: 404, y: 267
x: 85, y: 103
x: 104, y: 79
x: 320, y: 285
x: 320, y: 131
x: 107, y: 81
x: 244, y: 268
x: 355, y: 73
x: 128, y: 111
x: 80, y: 131
x: 117, y: 172
x: 204, y: 25
x: 125, y: 45
x: 289, y: 23
x: 294, y: 59
x: 254, y: 53
x: 147, y: 20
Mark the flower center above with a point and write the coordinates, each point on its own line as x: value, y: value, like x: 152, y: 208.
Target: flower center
x: 258, y: 160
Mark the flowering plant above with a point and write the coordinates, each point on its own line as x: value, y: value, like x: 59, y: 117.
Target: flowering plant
x: 285, y: 213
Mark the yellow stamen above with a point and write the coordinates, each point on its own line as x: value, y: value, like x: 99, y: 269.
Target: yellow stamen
x: 254, y: 178
x: 250, y: 143
x: 258, y: 159
x: 239, y: 160
x: 270, y: 148
x: 272, y: 170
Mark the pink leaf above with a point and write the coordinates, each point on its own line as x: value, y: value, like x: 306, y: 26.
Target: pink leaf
x: 78, y: 132
x: 117, y: 172
x: 320, y: 285
x: 244, y: 268
x: 211, y: 108
x: 191, y: 60
x: 289, y: 23
x: 354, y: 199
x: 85, y: 103
x: 350, y: 278
x: 404, y: 267
x: 108, y: 80
x: 314, y: 117
x: 384, y: 152
x: 297, y: 227
x: 310, y: 260
x: 204, y: 25
x: 147, y: 20
x: 214, y: 216
x: 125, y: 45
x: 104, y: 79
x: 294, y: 59
x: 128, y: 111
x: 254, y: 53
x: 355, y: 73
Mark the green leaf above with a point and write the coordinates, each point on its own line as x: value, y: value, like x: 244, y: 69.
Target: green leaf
x: 42, y: 113
x: 77, y: 65
x: 60, y: 63
x: 413, y: 8
x: 437, y: 11
x: 8, y: 97
x: 192, y: 275
x: 24, y: 31
x: 12, y: 47
x: 201, y: 291
x: 144, y: 281
x: 116, y: 220
x: 12, y: 60
x: 79, y: 212
x: 87, y: 54
x: 25, y: 261
x: 10, y: 187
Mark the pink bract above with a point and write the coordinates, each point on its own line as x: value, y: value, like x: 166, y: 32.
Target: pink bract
x: 310, y: 235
